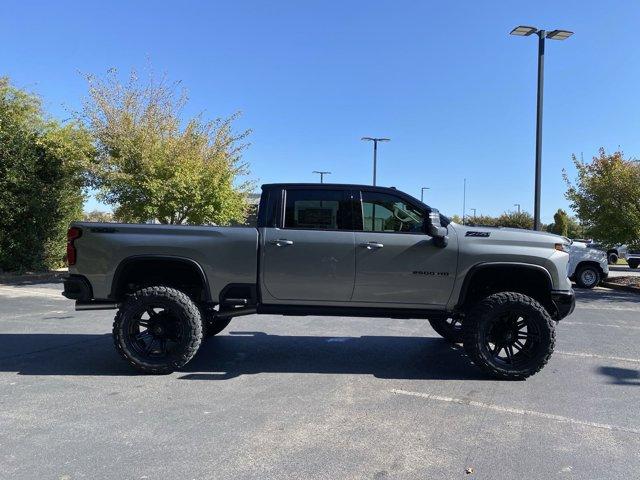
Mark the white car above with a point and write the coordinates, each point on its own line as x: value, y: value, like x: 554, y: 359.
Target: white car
x: 587, y: 266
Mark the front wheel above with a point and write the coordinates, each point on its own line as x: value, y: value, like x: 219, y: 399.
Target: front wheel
x: 587, y: 276
x: 509, y: 335
x: 157, y: 330
x: 612, y: 258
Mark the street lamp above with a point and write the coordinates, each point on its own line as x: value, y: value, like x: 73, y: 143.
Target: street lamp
x: 524, y: 31
x: 474, y: 212
x: 422, y: 193
x: 375, y: 152
x: 322, y: 174
x: 517, y: 205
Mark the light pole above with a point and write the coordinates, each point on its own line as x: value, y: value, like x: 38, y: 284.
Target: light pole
x: 517, y: 205
x: 322, y: 174
x: 422, y: 193
x: 464, y: 199
x: 524, y: 31
x: 375, y: 152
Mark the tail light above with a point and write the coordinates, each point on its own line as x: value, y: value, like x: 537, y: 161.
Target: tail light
x: 72, y: 234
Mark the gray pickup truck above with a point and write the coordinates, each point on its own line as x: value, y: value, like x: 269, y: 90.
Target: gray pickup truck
x: 322, y: 249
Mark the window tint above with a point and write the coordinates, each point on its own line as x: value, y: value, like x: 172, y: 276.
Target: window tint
x: 382, y: 212
x: 317, y: 209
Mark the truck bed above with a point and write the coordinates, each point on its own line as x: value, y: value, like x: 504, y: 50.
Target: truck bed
x: 226, y: 254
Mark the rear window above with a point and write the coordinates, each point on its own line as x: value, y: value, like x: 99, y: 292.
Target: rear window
x: 317, y: 210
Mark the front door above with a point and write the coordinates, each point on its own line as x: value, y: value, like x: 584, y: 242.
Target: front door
x: 311, y: 257
x: 396, y: 263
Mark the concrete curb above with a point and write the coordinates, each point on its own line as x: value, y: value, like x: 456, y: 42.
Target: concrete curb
x: 43, y: 277
x: 624, y: 288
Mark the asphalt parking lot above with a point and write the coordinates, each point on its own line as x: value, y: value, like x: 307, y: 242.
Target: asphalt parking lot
x: 311, y: 397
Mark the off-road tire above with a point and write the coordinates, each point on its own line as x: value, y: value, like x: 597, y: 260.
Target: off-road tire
x: 184, y: 311
x: 612, y: 258
x: 448, y: 328
x: 633, y: 264
x: 214, y: 324
x: 588, y: 276
x: 483, y: 316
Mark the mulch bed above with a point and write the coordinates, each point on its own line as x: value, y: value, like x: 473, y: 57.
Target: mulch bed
x: 630, y: 284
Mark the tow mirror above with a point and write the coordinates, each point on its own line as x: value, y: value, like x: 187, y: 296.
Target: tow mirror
x: 433, y: 227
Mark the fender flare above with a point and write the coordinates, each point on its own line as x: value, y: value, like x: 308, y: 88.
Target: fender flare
x: 483, y: 266
x: 124, y: 263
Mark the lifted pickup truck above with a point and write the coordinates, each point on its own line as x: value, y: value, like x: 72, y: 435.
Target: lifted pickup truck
x: 322, y: 249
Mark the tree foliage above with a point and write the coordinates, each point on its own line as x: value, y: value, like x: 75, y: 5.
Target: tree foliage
x: 151, y: 165
x: 565, y: 225
x: 606, y: 197
x: 41, y: 181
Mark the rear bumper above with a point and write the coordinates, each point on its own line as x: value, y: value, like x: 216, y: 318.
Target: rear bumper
x: 77, y: 287
x: 564, y: 302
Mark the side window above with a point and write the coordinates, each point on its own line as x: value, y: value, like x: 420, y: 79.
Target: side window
x: 382, y: 212
x: 317, y: 209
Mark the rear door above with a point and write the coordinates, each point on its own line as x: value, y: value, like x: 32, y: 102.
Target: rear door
x: 396, y: 262
x: 310, y: 255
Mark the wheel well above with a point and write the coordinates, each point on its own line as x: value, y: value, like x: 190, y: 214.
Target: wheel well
x: 180, y: 273
x: 481, y: 282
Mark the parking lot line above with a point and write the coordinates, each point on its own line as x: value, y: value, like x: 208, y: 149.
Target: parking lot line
x: 517, y: 411
x: 595, y: 355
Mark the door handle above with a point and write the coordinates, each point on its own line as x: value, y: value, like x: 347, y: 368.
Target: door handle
x: 372, y: 245
x: 280, y: 242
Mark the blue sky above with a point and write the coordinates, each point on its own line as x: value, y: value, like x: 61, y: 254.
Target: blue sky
x: 444, y: 80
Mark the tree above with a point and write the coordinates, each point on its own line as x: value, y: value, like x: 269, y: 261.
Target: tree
x: 606, y: 197
x: 515, y: 220
x: 98, y: 216
x: 481, y: 221
x: 42, y: 165
x: 151, y: 165
x: 560, y: 225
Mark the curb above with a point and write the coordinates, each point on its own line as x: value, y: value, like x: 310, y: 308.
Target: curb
x: 624, y: 288
x: 11, y: 279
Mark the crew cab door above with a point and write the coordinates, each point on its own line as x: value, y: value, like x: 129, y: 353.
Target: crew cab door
x: 396, y: 262
x: 310, y: 255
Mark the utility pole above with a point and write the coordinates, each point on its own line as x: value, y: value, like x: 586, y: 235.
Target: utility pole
x: 524, y: 31
x: 464, y: 200
x: 375, y: 152
x: 517, y: 205
x: 322, y: 174
x: 422, y: 193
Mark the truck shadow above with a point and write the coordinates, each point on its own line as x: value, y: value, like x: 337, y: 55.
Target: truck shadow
x: 248, y: 353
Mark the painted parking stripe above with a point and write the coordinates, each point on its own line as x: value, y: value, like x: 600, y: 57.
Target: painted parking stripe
x: 595, y: 355
x: 607, y: 325
x: 516, y: 411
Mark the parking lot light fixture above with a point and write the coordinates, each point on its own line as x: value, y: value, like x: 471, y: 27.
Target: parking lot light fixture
x: 525, y: 31
x: 375, y: 152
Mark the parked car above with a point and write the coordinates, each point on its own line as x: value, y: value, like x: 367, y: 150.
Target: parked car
x: 633, y: 257
x: 322, y: 249
x: 587, y: 265
x: 615, y: 253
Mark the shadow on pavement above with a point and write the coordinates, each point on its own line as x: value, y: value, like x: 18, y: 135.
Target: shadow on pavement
x: 247, y: 353
x: 621, y: 376
x: 600, y: 294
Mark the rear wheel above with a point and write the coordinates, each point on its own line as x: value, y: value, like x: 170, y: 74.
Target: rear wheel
x: 587, y: 276
x: 633, y: 263
x: 509, y: 335
x: 157, y: 330
x: 448, y: 328
x: 214, y: 324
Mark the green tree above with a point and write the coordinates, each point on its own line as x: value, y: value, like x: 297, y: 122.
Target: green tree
x: 606, y: 197
x: 560, y: 225
x: 481, y: 221
x: 42, y: 165
x: 98, y: 216
x: 515, y: 220
x: 151, y: 165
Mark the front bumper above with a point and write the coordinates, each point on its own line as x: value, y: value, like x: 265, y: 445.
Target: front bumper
x: 564, y: 302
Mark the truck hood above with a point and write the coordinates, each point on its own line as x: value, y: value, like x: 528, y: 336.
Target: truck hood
x: 503, y: 235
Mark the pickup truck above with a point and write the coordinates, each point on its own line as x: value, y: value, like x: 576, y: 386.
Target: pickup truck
x: 323, y: 249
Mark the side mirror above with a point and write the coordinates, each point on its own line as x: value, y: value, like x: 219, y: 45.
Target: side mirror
x: 434, y: 228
